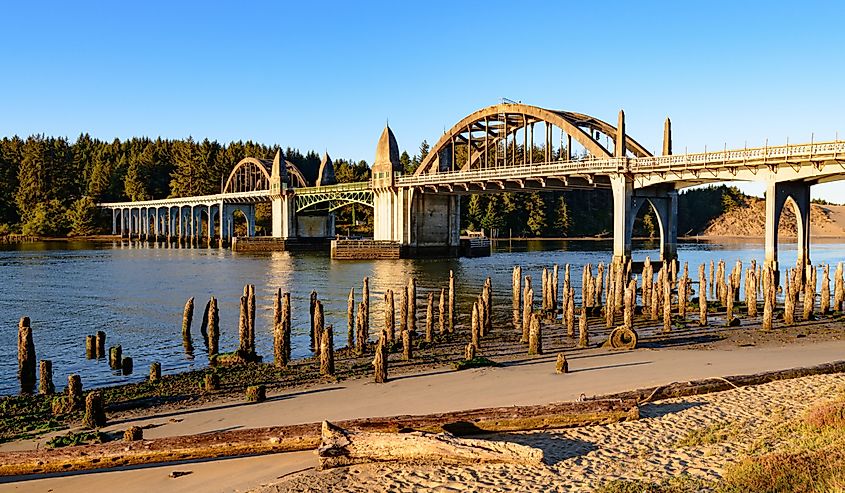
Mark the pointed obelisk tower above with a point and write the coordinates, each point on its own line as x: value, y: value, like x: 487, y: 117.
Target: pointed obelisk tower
x: 281, y: 199
x: 387, y: 217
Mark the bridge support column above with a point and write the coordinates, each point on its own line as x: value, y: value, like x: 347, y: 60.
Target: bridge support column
x: 777, y: 195
x: 282, y: 207
x: 664, y: 202
x: 623, y: 191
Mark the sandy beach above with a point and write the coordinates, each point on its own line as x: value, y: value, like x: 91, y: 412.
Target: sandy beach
x: 579, y: 457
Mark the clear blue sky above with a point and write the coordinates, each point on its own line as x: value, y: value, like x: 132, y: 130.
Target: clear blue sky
x: 326, y: 75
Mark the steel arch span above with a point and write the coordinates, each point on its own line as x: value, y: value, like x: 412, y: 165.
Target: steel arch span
x: 253, y: 175
x: 490, y: 137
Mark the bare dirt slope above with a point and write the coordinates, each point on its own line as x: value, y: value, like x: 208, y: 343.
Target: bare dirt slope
x: 749, y: 219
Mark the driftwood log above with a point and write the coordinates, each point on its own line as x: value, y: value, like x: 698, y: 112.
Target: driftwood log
x: 340, y: 447
x: 242, y: 442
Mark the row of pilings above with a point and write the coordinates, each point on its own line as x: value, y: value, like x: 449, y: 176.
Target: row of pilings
x: 610, y: 295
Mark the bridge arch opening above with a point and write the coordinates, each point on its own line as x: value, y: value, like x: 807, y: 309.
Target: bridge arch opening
x: 790, y: 230
x: 239, y: 223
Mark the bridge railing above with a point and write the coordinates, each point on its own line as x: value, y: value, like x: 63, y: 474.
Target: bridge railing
x: 340, y: 187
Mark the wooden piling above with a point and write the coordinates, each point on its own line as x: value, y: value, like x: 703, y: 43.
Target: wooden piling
x: 126, y: 365
x: 365, y: 297
x: 311, y: 307
x: 213, y: 327
x: 45, y: 381
x: 26, y: 357
x: 527, y: 308
x: 90, y: 347
x: 628, y: 308
x: 451, y: 302
x: 133, y: 434
x: 256, y: 393
x: 839, y: 288
x: 710, y: 282
x: 407, y: 344
x: 412, y: 305
x: 751, y: 292
x: 788, y: 301
x: 327, y: 352
x: 555, y: 298
x: 570, y: 314
x: 474, y: 326
x: 95, y: 414
x: 204, y: 322
x: 729, y: 309
x: 280, y: 357
x: 648, y: 279
x: 429, y: 318
x: 517, y: 297
x: 211, y: 382
x: 403, y: 311
x: 155, y: 372
x: 286, y: 324
x: 250, y: 303
x: 561, y: 365
x: 319, y: 324
x: 441, y: 313
x: 361, y: 337
x: 702, y: 296
x: 667, y: 302
x: 243, y: 326
x: 535, y: 335
x: 380, y: 360
x: 350, y: 317
x: 74, y: 393
x: 809, y: 294
x: 469, y: 352
x: 101, y: 344
x: 115, y: 357
x: 768, y: 299
x: 583, y: 335
x: 187, y: 318
x: 389, y: 316
x: 824, y: 303
x: 488, y: 305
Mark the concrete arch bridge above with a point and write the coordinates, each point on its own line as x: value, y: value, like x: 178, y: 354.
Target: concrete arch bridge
x: 505, y: 147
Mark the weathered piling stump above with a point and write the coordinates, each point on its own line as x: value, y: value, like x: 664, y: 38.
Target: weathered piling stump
x: 211, y: 382
x: 839, y: 288
x: 390, y: 316
x: 380, y: 360
x: 256, y: 393
x: 429, y: 318
x: 327, y: 352
x: 403, y: 311
x: 535, y: 335
x: 74, y: 393
x: 583, y: 335
x: 319, y: 324
x: 474, y: 326
x: 441, y: 313
x: 527, y: 309
x: 451, y: 302
x: 570, y: 314
x: 365, y: 298
x: 809, y: 294
x: 187, y: 318
x: 155, y: 372
x: 101, y: 344
x: 469, y: 352
x: 133, y: 434
x: 243, y: 327
x: 667, y: 303
x: 561, y: 365
x: 768, y: 299
x: 788, y: 301
x: 824, y: 302
x: 311, y: 308
x: 412, y: 305
x: 517, y: 297
x: 730, y: 321
x: 702, y: 296
x: 361, y: 336
x: 286, y: 324
x: 115, y: 357
x: 204, y: 322
x: 280, y: 355
x: 407, y: 344
x: 26, y: 357
x: 213, y: 327
x: 350, y: 317
x: 95, y: 414
x: 90, y: 347
x: 250, y: 303
x: 45, y: 381
x: 126, y: 365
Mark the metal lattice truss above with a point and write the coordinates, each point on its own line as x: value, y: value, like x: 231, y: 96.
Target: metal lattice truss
x: 336, y: 196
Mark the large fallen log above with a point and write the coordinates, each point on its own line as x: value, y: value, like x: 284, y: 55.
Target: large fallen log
x: 709, y: 385
x: 257, y: 441
x: 341, y: 447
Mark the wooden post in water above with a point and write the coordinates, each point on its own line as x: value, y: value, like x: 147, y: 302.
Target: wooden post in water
x: 115, y: 357
x: 441, y: 312
x: 488, y: 306
x: 702, y: 296
x: 838, y: 288
x: 407, y: 344
x: 204, y: 322
x: 361, y: 337
x: 583, y: 336
x: 429, y: 318
x: 243, y: 327
x: 90, y: 347
x: 517, y: 297
x: 45, y: 382
x: 809, y: 293
x: 527, y: 309
x: 155, y: 372
x: 286, y: 323
x: 451, y: 302
x: 319, y: 324
x: 474, y: 326
x: 729, y: 310
x: 667, y: 301
x: 365, y: 297
x: 561, y: 365
x: 187, y: 318
x: 251, y: 318
x: 412, y: 305
x: 101, y: 344
x: 469, y: 352
x: 628, y: 308
x: 389, y: 316
x: 350, y: 317
x: 126, y: 365
x: 26, y: 357
x: 95, y: 414
x: 751, y: 292
x: 788, y: 300
x: 648, y: 279
x: 768, y: 298
x: 535, y: 335
x: 380, y: 361
x: 311, y: 307
x: 74, y: 392
x: 213, y: 327
x: 327, y: 352
x: 710, y: 283
x: 824, y: 304
x: 570, y: 313
x: 403, y: 311
x: 280, y: 357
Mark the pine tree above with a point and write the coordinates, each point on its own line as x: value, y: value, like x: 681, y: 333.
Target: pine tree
x: 562, y: 219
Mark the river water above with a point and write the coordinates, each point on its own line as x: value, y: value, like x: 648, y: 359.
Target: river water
x: 136, y: 293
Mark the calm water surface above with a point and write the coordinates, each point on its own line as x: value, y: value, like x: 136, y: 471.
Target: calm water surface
x: 136, y: 293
